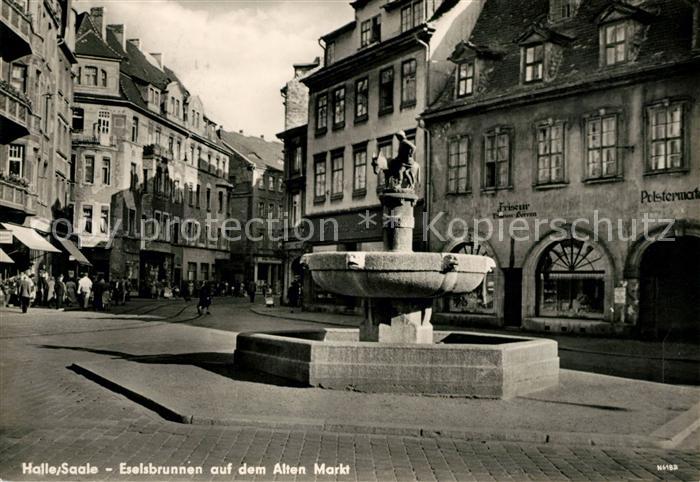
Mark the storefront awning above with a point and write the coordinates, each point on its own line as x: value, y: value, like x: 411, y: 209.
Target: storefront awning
x: 73, y: 251
x: 30, y: 238
x: 4, y: 258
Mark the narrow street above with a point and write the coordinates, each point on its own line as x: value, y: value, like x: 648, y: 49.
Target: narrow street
x: 52, y: 415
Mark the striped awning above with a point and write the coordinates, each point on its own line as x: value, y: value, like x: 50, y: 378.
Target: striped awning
x: 73, y: 251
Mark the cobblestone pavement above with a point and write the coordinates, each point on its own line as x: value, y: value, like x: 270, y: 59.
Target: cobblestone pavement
x: 51, y: 415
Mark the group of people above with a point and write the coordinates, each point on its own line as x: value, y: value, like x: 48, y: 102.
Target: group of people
x: 28, y: 289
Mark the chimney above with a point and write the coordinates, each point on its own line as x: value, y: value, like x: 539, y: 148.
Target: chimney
x: 135, y: 42
x: 119, y: 32
x: 159, y: 58
x: 97, y: 14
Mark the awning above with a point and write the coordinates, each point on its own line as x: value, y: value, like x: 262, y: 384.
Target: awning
x: 73, y: 251
x: 4, y: 258
x: 30, y: 238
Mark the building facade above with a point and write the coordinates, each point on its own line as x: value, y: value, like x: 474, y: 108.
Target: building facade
x: 576, y: 150
x: 294, y: 138
x: 152, y: 188
x: 257, y: 199
x: 380, y: 71
x: 36, y: 94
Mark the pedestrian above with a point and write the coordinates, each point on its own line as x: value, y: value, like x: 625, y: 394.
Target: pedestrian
x: 98, y: 292
x: 50, y: 288
x: 251, y: 291
x: 26, y: 290
x: 186, y: 293
x: 71, y: 293
x: 59, y: 292
x: 127, y: 290
x: 84, y: 290
x: 204, y: 299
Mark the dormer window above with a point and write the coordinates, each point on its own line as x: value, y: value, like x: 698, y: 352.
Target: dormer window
x: 616, y: 41
x: 560, y: 10
x: 465, y: 79
x: 412, y: 15
x: 534, y: 63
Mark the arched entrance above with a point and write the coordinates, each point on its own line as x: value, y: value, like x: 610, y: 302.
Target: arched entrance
x: 669, y: 284
x: 571, y: 280
x: 481, y: 300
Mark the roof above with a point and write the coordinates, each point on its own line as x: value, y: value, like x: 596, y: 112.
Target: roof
x: 88, y: 41
x: 136, y: 64
x: 666, y: 39
x: 260, y: 152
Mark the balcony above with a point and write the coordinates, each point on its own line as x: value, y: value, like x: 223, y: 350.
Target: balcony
x: 15, y: 196
x: 96, y: 139
x: 15, y: 30
x: 14, y: 113
x: 152, y: 151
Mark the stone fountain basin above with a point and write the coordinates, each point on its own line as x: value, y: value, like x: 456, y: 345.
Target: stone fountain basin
x: 382, y: 274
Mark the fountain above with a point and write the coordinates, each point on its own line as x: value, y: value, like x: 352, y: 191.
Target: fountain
x: 396, y: 348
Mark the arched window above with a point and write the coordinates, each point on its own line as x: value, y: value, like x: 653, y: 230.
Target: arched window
x: 571, y: 280
x: 481, y: 299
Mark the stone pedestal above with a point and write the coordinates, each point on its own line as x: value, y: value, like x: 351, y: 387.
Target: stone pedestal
x: 398, y: 220
x: 394, y: 321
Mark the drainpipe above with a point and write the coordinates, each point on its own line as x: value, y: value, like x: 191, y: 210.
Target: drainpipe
x: 426, y: 139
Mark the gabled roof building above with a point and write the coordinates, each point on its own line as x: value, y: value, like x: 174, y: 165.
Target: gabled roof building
x: 151, y: 173
x: 574, y: 120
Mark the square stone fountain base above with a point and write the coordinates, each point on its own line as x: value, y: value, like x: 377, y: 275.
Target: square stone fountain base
x: 460, y: 364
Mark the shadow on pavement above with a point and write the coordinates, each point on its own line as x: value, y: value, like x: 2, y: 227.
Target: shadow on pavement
x: 218, y: 363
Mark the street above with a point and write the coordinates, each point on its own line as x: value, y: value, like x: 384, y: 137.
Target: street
x: 51, y: 415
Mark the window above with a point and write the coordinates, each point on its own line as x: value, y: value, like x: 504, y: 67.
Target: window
x: 550, y: 153
x: 261, y: 183
x: 280, y: 185
x: 18, y: 78
x: 408, y: 83
x: 103, y: 122
x: 90, y: 75
x: 15, y: 159
x: 178, y: 152
x: 296, y: 159
x: 261, y: 209
x: 78, y: 119
x: 104, y: 220
x: 208, y: 199
x: 320, y: 176
x: 87, y: 219
x: 615, y: 43
x: 171, y: 145
x: 534, y: 63
x: 221, y: 201
x: 204, y: 269
x: 412, y: 15
x: 370, y: 31
x: 135, y: 129
x: 339, y: 107
x: 361, y: 91
x: 601, y: 146
x: 103, y: 75
x: 330, y: 53
x: 158, y: 133
x: 271, y: 210
x: 198, y: 197
x: 497, y: 159
x: 337, y: 162
x: 106, y: 171
x: 385, y: 146
x: 89, y: 176
x: 665, y: 133
x: 270, y: 183
x: 359, y: 173
x: 386, y: 90
x: 131, y: 221
x: 465, y: 79
x: 458, y: 165
x: 192, y: 271
x: 322, y: 112
x: 295, y: 211
x: 406, y: 18
x: 145, y: 180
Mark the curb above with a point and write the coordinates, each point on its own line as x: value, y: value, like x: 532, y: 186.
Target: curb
x: 259, y: 311
x: 667, y: 436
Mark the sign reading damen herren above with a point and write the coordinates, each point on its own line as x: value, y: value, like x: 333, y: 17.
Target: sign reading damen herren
x: 668, y: 197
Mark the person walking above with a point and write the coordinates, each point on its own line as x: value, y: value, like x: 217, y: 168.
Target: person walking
x: 186, y: 293
x: 50, y: 291
x: 84, y: 289
x: 251, y: 291
x: 98, y: 291
x: 204, y: 298
x: 59, y: 292
x: 26, y: 290
x: 71, y: 293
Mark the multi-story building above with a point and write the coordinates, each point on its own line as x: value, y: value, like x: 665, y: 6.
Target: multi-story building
x: 36, y: 92
x: 151, y: 173
x: 296, y: 105
x: 257, y: 199
x: 573, y: 127
x: 380, y: 71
